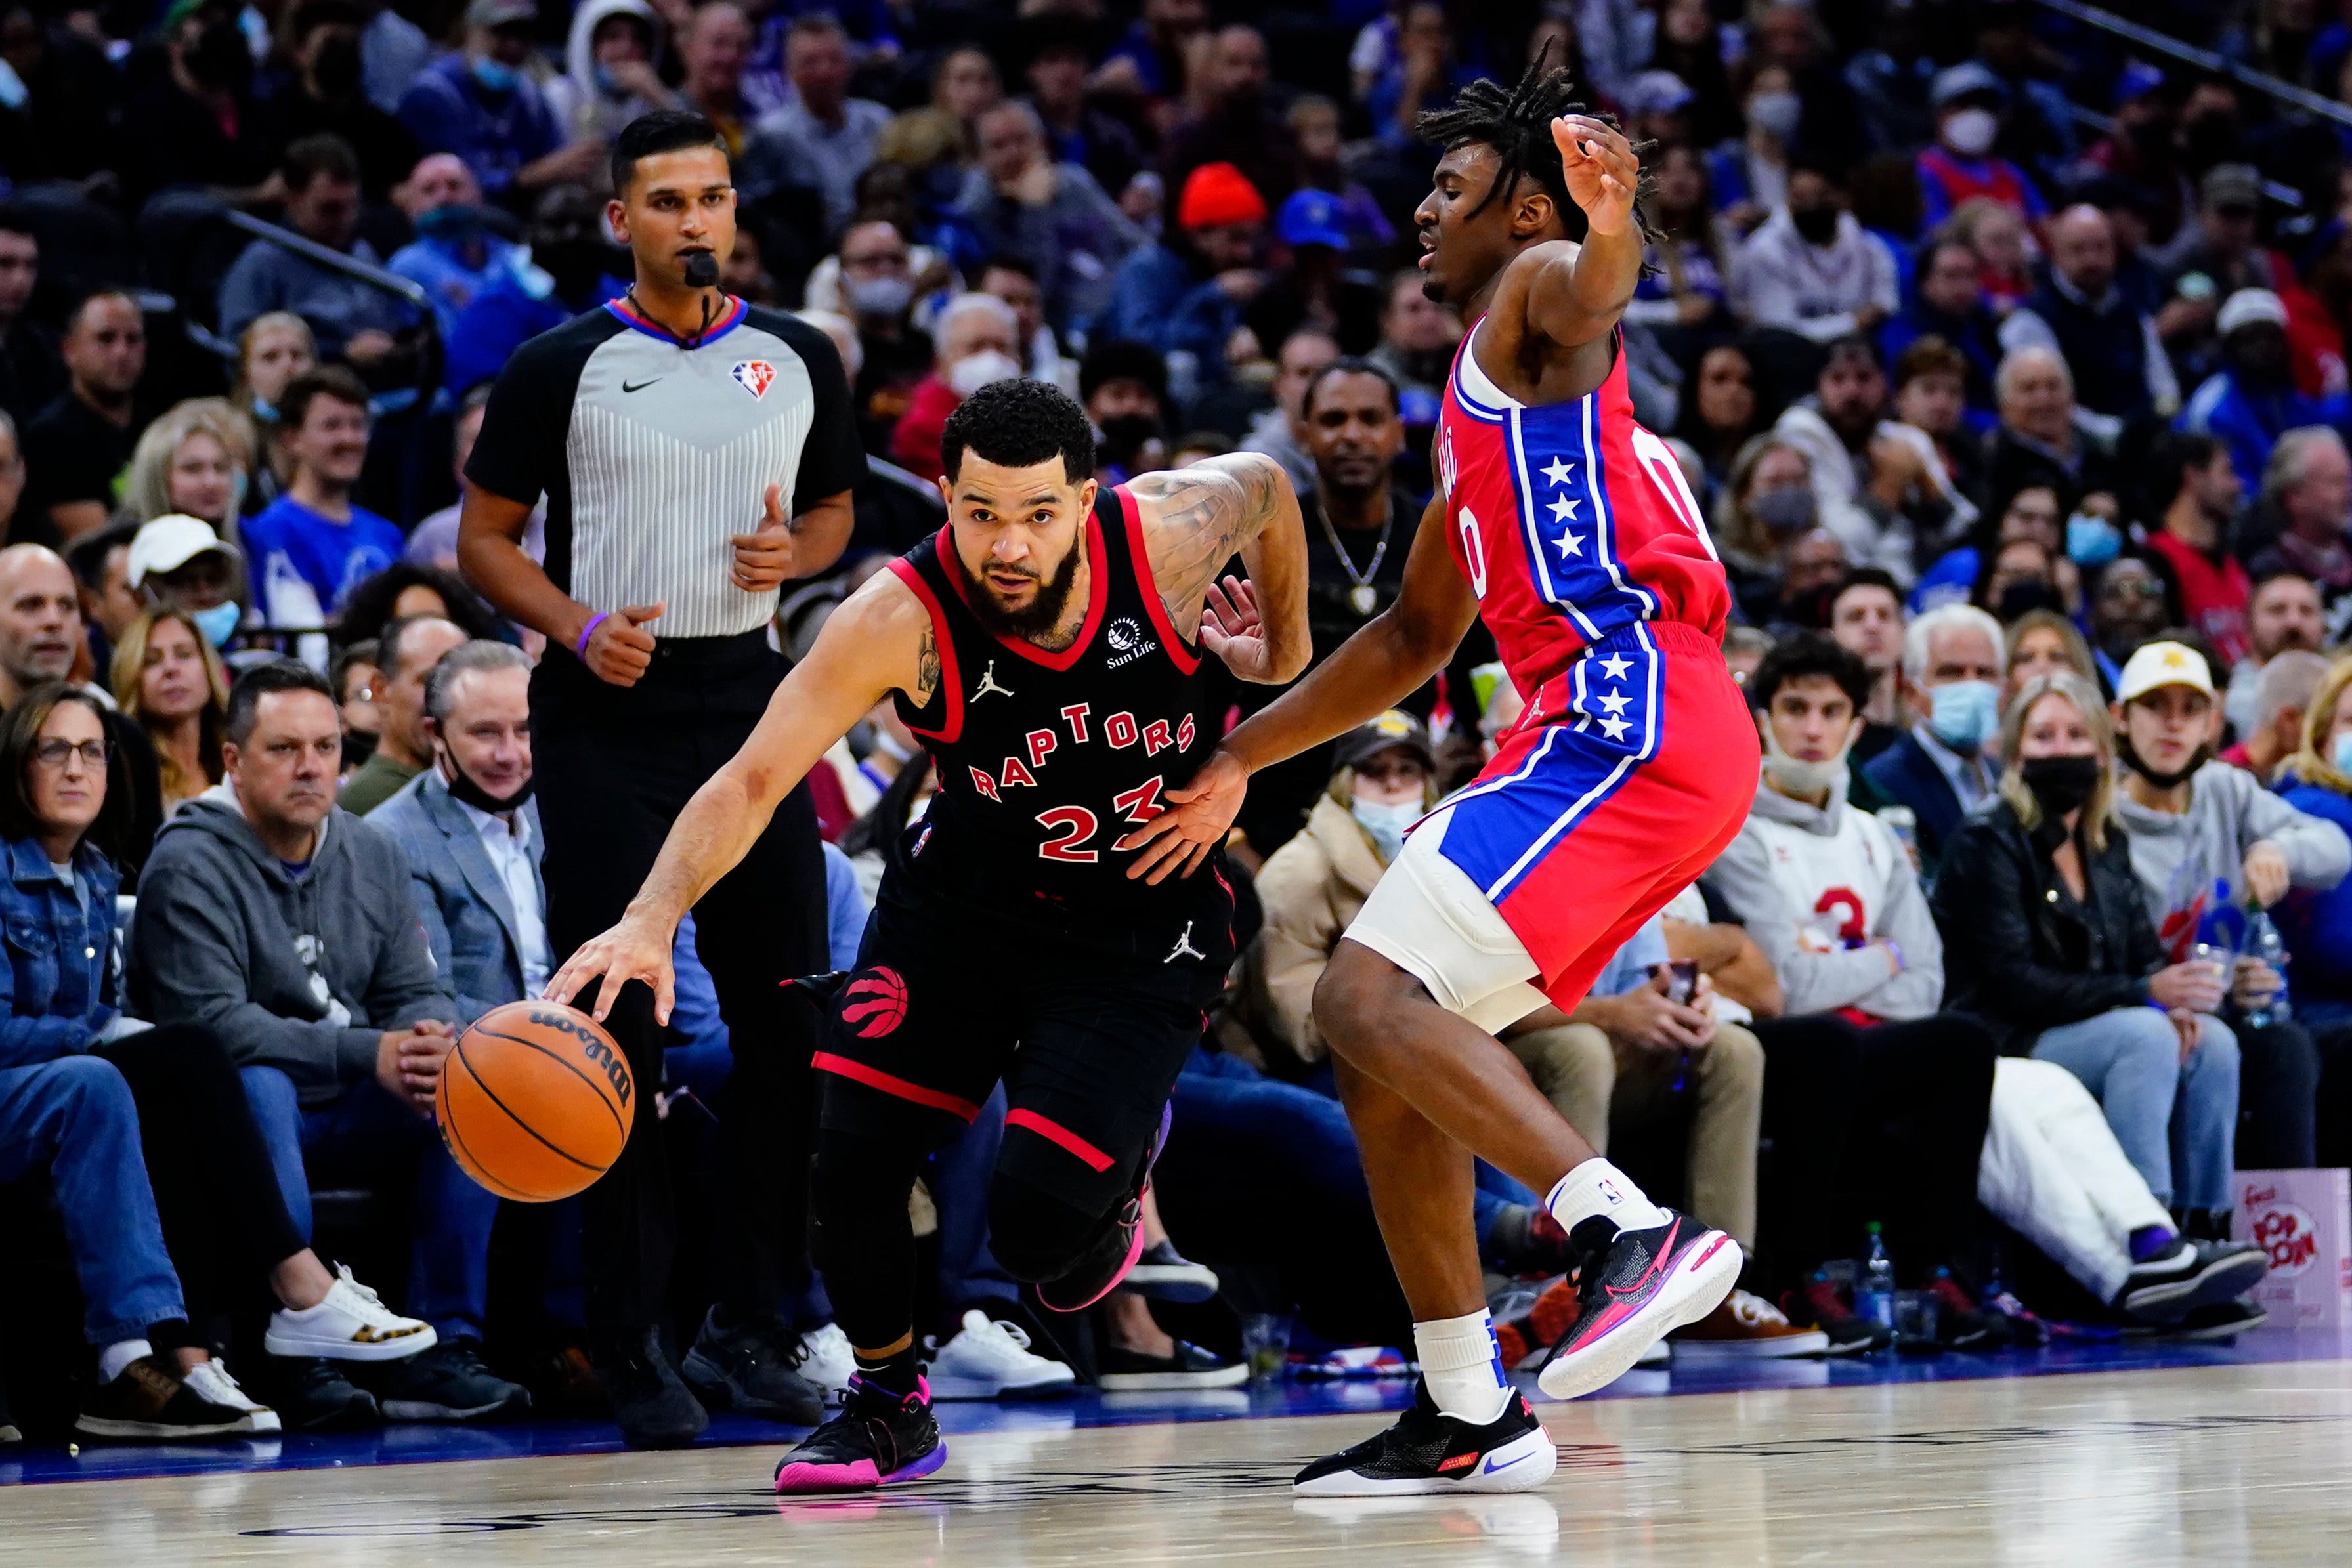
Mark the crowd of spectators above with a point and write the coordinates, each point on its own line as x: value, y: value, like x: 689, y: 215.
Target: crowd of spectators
x: 2006, y: 365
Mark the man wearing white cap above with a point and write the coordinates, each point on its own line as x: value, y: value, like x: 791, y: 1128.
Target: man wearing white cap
x: 177, y: 562
x: 2252, y: 399
x: 2208, y: 841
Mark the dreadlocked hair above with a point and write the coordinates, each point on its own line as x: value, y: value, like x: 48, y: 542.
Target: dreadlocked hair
x: 1516, y: 124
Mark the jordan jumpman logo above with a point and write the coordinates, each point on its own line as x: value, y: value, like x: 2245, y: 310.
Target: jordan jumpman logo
x: 988, y: 683
x: 1185, y: 948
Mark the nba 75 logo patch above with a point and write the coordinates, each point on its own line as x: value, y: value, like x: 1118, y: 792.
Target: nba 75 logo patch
x: 754, y: 376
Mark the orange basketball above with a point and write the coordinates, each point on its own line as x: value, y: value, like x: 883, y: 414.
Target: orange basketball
x: 535, y: 1101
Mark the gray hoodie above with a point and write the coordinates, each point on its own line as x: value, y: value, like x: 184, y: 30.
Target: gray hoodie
x: 1814, y: 885
x: 303, y: 976
x: 2179, y: 858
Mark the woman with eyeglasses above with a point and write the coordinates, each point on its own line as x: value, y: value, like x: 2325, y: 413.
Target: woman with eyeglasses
x: 175, y: 1243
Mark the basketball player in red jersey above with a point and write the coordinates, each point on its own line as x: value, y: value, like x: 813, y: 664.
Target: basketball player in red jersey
x: 1047, y: 648
x: 1568, y: 528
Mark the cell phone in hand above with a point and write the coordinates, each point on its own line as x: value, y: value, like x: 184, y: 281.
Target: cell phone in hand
x: 1682, y: 983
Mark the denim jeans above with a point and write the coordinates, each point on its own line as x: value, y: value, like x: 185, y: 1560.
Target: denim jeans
x: 74, y: 1117
x: 2170, y: 1115
x: 959, y: 1177
x: 355, y: 1138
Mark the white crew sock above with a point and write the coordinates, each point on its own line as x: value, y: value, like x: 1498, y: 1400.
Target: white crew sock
x: 119, y: 1355
x: 1597, y: 1189
x: 1463, y: 1367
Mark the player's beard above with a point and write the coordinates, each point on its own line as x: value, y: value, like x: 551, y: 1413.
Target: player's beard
x: 1044, y: 610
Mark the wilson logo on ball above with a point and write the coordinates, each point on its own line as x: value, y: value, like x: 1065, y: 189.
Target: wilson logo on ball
x: 875, y: 1003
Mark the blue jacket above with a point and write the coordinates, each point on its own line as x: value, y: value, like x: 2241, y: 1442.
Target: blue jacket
x: 448, y: 111
x: 64, y: 984
x: 2317, y: 925
x: 1907, y: 775
x: 502, y: 319
x: 1158, y: 298
x: 2250, y: 426
x: 468, y: 918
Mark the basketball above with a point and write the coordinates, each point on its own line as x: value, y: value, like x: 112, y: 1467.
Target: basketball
x: 535, y: 1101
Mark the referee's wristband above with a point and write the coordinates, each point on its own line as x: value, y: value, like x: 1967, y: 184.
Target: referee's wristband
x: 580, y: 647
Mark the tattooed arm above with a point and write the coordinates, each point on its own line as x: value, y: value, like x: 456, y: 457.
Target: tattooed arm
x: 1195, y: 521
x: 878, y: 642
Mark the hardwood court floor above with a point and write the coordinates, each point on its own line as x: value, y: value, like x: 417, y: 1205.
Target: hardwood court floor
x: 2214, y: 1464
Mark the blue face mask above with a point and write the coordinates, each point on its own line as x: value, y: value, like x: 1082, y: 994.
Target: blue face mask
x: 218, y: 623
x: 496, y: 76
x: 452, y: 223
x: 1962, y: 714
x: 2092, y: 540
x: 2341, y: 754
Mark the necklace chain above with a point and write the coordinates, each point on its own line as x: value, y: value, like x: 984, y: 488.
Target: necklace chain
x: 1380, y: 552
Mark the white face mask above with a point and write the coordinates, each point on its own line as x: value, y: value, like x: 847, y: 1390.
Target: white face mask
x: 1386, y: 823
x: 974, y: 372
x: 1795, y: 777
x: 1969, y: 132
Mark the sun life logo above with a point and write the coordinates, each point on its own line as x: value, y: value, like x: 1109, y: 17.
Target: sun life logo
x: 1125, y: 634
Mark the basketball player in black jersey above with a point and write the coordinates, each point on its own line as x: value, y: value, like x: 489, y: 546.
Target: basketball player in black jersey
x: 1046, y: 647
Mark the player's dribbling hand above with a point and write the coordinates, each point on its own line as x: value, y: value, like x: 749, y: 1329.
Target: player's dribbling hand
x: 764, y: 558
x: 1600, y: 170
x: 632, y: 950
x: 1231, y: 629
x: 620, y: 649
x: 1199, y: 813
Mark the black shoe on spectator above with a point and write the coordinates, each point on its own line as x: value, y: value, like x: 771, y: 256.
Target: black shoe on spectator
x: 147, y: 1399
x: 1126, y: 1371
x: 750, y: 1368
x: 449, y: 1382
x: 310, y: 1393
x: 1819, y: 1301
x: 651, y: 1407
x: 1960, y: 1323
x: 1164, y: 1274
x: 2226, y: 1321
x: 2193, y: 1274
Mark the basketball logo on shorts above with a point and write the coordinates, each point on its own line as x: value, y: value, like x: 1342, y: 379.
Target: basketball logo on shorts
x: 874, y: 1004
x: 755, y: 376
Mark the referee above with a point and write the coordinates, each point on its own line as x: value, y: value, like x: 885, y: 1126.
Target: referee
x: 673, y: 433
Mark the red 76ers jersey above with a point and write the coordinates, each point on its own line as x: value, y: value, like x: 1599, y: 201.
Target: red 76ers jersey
x: 1570, y: 521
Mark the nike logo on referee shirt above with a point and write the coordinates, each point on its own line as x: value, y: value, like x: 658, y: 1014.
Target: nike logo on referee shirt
x: 639, y: 387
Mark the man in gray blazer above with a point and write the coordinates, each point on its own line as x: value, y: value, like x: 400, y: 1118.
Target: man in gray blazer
x: 471, y: 832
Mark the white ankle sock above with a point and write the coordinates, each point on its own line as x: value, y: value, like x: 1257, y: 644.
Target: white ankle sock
x: 1464, y: 1369
x: 119, y: 1355
x: 1598, y: 1190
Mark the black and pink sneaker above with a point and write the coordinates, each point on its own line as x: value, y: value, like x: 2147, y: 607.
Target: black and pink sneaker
x: 1115, y: 1251
x: 878, y: 1440
x: 1632, y: 1292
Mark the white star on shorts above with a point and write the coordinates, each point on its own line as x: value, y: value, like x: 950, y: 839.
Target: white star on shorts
x: 1569, y: 544
x: 1615, y: 702
x: 1562, y: 509
x: 1615, y: 666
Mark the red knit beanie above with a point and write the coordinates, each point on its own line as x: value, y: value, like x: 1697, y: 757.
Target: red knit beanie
x: 1217, y: 194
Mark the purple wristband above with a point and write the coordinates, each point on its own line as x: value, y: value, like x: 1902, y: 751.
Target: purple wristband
x: 580, y: 647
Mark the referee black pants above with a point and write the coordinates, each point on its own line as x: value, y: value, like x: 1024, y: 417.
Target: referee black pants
x: 614, y: 768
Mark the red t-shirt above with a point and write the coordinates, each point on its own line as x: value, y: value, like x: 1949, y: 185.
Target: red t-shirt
x: 2213, y: 595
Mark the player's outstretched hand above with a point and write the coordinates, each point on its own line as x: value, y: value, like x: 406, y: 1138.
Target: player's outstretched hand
x: 632, y: 950
x: 1199, y: 814
x: 1601, y: 171
x: 763, y: 559
x: 1231, y: 629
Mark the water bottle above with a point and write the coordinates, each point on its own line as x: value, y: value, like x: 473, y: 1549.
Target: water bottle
x: 1874, y: 1287
x: 2264, y: 942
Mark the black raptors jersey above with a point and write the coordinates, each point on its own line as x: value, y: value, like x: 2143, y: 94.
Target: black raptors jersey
x: 1046, y: 759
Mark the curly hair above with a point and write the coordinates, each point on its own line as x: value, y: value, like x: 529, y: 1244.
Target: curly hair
x: 1515, y: 123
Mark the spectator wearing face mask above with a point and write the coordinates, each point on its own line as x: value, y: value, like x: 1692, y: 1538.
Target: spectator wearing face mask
x: 1749, y: 178
x: 480, y: 103
x: 978, y: 341
x: 1960, y: 167
x: 2208, y: 843
x: 327, y: 95
x: 178, y: 563
x: 1811, y: 269
x: 1878, y: 484
x: 570, y: 271
x: 611, y: 75
x: 453, y: 257
x: 1766, y: 502
x: 1943, y: 768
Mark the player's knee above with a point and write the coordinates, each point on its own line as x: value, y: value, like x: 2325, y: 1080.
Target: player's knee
x: 1358, y: 990
x: 1036, y: 1234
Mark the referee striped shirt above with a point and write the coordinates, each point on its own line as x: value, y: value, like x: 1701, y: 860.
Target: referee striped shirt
x: 654, y: 455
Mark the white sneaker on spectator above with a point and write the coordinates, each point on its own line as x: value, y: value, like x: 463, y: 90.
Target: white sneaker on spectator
x: 992, y: 1360
x: 827, y: 1361
x: 350, y: 1323
x: 212, y: 1383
